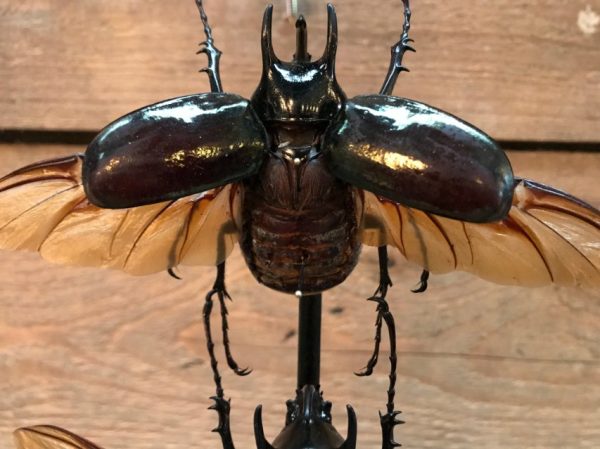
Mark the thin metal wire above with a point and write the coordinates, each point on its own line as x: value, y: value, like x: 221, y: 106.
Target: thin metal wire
x: 291, y: 8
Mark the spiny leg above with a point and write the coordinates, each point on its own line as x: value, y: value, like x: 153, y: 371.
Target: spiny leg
x: 219, y: 286
x: 389, y: 420
x: 206, y: 311
x: 384, y: 283
x: 212, y: 53
x: 398, y: 50
x: 221, y: 405
x: 368, y: 369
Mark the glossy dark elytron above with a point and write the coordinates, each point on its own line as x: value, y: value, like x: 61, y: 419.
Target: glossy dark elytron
x: 173, y: 149
x: 421, y: 157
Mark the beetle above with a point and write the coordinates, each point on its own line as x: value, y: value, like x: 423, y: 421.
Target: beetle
x: 301, y: 176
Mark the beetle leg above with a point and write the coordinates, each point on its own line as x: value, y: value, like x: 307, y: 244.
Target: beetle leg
x: 384, y: 283
x: 212, y: 53
x: 221, y: 405
x: 207, y: 310
x: 225, y: 328
x: 389, y: 420
x: 221, y: 292
x: 398, y: 50
x: 384, y: 275
x: 368, y: 369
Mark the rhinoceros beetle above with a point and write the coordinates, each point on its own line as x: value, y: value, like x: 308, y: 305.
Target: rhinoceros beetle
x: 301, y: 176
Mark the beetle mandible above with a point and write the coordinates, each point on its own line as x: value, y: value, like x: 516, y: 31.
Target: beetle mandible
x: 301, y: 176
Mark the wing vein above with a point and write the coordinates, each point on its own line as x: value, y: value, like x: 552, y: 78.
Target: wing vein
x: 139, y: 236
x: 174, y: 258
x: 35, y: 180
x: 419, y: 235
x: 464, y: 228
x: 563, y: 239
x: 54, y: 195
x: 114, y: 236
x: 435, y: 221
x: 401, y: 227
x: 56, y: 225
x: 52, y: 437
x: 569, y: 212
x: 525, y: 231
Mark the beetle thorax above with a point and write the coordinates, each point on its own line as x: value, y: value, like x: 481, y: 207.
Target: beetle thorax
x: 299, y: 90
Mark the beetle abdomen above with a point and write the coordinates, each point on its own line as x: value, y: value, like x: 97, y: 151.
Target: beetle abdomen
x: 299, y: 229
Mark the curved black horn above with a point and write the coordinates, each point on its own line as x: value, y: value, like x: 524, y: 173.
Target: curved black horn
x: 332, y: 38
x: 350, y: 442
x: 259, y: 434
x: 302, y: 54
x: 268, y: 54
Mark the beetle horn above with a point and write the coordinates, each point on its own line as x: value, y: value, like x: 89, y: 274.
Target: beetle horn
x: 302, y: 54
x: 268, y: 53
x: 332, y: 38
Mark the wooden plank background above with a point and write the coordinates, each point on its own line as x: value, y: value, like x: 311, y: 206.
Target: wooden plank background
x: 121, y: 360
x: 522, y: 70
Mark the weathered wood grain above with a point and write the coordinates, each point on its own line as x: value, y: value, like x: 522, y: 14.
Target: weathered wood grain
x: 521, y: 70
x: 122, y: 361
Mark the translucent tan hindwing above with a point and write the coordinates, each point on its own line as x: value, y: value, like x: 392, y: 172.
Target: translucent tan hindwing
x: 50, y: 437
x: 547, y: 237
x: 43, y: 207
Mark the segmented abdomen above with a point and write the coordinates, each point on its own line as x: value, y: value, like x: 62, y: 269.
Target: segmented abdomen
x: 299, y: 227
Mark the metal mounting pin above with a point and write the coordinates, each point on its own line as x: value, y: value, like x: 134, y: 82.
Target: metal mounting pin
x: 291, y: 8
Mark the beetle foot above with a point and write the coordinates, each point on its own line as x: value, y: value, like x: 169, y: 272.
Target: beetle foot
x: 388, y: 422
x: 385, y: 282
x: 422, y: 286
x: 398, y: 50
x: 173, y: 274
x: 223, y: 407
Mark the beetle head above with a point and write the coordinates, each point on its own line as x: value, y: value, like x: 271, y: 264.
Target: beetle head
x: 300, y: 90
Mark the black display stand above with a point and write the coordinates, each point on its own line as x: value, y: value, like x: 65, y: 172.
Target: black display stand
x: 308, y: 420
